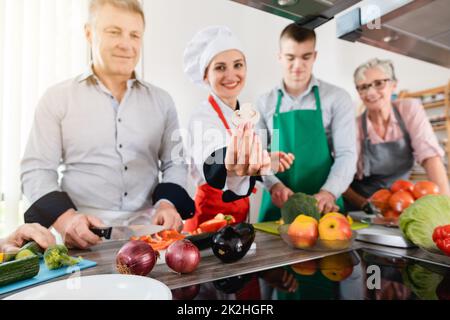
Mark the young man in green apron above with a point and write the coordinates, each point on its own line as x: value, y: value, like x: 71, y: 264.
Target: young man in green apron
x: 315, y: 121
x: 312, y: 119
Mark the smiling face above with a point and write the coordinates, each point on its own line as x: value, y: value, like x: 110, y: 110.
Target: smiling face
x: 116, y: 40
x: 297, y: 60
x: 376, y: 99
x: 226, y: 74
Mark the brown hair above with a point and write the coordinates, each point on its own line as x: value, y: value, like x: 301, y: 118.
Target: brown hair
x: 130, y: 5
x: 298, y: 33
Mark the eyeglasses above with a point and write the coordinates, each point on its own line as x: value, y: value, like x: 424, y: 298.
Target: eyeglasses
x: 377, y: 84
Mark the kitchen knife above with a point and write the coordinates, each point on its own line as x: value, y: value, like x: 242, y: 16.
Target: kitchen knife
x: 126, y: 232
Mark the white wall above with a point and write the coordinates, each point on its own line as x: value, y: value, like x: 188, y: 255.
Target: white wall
x: 171, y: 26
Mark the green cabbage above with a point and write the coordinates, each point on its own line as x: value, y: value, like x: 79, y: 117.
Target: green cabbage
x: 420, y: 219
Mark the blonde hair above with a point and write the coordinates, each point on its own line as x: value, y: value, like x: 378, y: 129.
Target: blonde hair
x: 384, y: 65
x: 130, y: 5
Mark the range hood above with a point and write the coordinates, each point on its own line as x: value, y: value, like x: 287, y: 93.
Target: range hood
x: 419, y: 28
x: 308, y: 13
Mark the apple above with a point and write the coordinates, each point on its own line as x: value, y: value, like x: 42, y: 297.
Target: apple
x: 334, y: 227
x: 306, y: 268
x: 336, y: 215
x: 303, y: 231
x: 337, y: 267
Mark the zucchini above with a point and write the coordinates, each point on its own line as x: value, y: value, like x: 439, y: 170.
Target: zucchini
x: 19, y: 270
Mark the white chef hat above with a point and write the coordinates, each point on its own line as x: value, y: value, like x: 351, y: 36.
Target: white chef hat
x: 205, y: 45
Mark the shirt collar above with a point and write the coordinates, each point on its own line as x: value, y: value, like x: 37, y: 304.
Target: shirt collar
x: 393, y: 122
x: 223, y: 106
x: 314, y: 82
x: 89, y: 76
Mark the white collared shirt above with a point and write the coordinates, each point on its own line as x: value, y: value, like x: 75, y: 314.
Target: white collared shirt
x: 113, y: 153
x: 338, y: 115
x: 207, y: 134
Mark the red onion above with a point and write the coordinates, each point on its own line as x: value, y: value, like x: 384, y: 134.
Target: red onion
x: 186, y: 293
x: 136, y: 257
x: 182, y: 256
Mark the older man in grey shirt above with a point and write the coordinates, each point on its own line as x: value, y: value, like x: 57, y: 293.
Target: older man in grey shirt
x: 113, y: 134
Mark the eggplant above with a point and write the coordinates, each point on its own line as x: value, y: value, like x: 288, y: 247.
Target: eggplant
x: 202, y: 241
x: 232, y: 285
x: 231, y: 243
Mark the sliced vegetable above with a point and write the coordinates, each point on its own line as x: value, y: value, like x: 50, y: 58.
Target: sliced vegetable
x: 215, y: 224
x: 33, y: 247
x: 212, y: 225
x: 162, y: 240
x: 24, y: 253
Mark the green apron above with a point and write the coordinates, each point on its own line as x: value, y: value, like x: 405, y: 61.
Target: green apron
x: 302, y: 133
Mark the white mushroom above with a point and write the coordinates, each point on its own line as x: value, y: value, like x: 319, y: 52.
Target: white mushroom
x: 245, y: 114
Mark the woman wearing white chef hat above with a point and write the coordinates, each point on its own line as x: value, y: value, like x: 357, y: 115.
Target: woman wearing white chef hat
x: 225, y: 173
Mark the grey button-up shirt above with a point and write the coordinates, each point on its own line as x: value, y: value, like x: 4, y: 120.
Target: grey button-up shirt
x: 112, y: 152
x: 338, y: 116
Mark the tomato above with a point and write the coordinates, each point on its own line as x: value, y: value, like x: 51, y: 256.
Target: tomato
x: 402, y: 185
x: 423, y: 188
x: 380, y: 199
x: 391, y: 214
x: 401, y: 200
x: 212, y: 225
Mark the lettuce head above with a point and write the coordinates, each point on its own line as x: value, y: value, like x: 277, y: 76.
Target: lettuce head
x: 420, y: 219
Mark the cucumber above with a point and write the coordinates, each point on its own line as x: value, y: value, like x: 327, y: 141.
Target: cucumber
x: 19, y: 270
x: 24, y: 253
x: 9, y: 256
x: 33, y: 247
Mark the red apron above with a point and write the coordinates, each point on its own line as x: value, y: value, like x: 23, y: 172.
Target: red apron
x: 208, y: 200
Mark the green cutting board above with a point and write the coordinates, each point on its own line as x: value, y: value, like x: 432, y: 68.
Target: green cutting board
x: 272, y: 226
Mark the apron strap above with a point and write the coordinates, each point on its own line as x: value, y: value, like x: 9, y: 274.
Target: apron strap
x: 402, y: 125
x: 220, y: 113
x: 277, y: 107
x: 317, y: 96
x: 366, y: 141
x: 365, y: 146
x: 400, y: 121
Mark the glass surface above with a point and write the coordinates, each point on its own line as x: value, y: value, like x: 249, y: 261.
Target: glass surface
x: 358, y: 275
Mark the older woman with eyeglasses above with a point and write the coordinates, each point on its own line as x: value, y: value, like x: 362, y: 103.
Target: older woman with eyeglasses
x: 392, y: 135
